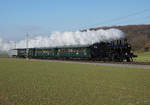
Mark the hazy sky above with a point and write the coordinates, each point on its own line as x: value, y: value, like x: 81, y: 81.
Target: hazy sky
x: 41, y: 17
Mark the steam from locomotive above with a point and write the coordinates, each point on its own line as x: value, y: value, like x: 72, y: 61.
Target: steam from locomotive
x: 66, y: 38
x: 5, y: 46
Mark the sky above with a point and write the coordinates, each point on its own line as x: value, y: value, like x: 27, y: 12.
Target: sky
x: 41, y: 17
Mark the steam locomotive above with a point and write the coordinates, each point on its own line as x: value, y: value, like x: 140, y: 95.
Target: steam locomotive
x: 117, y: 50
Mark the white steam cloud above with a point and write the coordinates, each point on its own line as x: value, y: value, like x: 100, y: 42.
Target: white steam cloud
x: 5, y: 46
x: 66, y: 38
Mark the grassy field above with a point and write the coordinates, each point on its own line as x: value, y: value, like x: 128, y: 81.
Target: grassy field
x: 4, y: 55
x: 143, y: 57
x: 25, y: 82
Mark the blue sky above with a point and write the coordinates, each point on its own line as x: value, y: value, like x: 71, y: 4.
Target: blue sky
x: 41, y: 17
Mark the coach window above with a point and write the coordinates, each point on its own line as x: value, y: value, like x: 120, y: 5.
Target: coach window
x: 49, y: 51
x: 62, y: 50
x: 66, y: 50
x: 84, y: 50
x: 74, y: 50
x: 44, y: 51
x: 40, y: 51
x: 70, y: 50
x: 79, y: 50
x: 22, y: 51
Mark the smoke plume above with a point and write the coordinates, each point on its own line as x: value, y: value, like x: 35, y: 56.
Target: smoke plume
x: 66, y: 38
x: 5, y: 46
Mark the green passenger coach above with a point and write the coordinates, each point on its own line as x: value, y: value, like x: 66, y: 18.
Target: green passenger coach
x: 73, y: 52
x: 56, y: 52
x: 44, y: 53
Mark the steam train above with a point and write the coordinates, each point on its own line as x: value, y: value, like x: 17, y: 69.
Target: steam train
x: 117, y: 50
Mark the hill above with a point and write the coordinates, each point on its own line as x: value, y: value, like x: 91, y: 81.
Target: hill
x: 138, y: 35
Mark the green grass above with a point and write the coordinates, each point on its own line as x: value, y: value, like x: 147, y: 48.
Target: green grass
x: 49, y: 83
x: 4, y: 55
x: 143, y: 57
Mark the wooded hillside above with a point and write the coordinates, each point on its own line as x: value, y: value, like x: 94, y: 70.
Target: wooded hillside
x: 138, y: 35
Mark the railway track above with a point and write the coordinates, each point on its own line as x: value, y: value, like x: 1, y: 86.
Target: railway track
x: 145, y: 65
x: 90, y: 61
x: 142, y: 65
